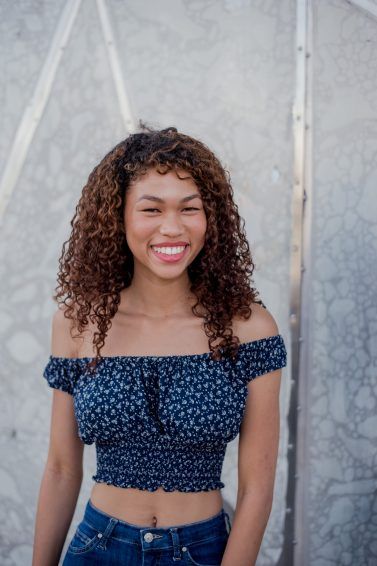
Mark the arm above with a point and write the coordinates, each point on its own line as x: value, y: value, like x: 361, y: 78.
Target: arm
x: 62, y: 477
x: 257, y: 458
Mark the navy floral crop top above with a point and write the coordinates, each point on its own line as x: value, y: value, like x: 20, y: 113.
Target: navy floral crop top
x: 163, y: 421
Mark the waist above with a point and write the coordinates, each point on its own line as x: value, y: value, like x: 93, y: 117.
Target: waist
x: 143, y: 508
x: 213, y: 526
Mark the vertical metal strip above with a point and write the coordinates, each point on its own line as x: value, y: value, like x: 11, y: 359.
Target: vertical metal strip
x: 114, y: 60
x: 302, y: 472
x: 34, y: 110
x: 292, y: 548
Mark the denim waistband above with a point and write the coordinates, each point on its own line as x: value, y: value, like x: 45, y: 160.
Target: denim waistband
x: 156, y: 538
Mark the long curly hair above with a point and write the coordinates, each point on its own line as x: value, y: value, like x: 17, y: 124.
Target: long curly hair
x: 96, y: 262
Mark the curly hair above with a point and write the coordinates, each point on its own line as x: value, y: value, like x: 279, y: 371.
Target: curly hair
x: 96, y: 262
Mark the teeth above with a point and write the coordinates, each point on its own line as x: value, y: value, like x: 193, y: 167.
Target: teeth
x: 170, y: 251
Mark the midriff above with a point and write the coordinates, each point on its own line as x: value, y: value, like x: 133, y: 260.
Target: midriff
x: 158, y: 508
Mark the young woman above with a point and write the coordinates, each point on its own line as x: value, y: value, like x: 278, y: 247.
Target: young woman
x: 156, y: 344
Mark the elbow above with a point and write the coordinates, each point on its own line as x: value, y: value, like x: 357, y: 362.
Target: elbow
x: 256, y: 494
x: 62, y: 471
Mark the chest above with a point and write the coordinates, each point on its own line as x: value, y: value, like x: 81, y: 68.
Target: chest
x: 138, y: 336
x: 191, y: 400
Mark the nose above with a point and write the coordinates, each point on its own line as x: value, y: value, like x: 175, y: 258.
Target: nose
x: 171, y: 225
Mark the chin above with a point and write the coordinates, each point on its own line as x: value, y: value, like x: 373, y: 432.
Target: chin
x: 171, y: 275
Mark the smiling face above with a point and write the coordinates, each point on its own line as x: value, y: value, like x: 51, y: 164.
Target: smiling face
x: 165, y: 222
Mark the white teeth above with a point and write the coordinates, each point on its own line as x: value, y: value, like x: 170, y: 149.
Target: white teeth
x: 169, y: 251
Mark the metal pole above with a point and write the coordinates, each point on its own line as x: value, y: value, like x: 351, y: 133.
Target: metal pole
x: 293, y: 548
x: 115, y: 65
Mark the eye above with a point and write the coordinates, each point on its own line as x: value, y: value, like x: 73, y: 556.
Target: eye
x: 153, y: 209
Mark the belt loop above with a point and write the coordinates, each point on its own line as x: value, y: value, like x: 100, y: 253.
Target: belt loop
x: 105, y: 536
x: 176, y: 546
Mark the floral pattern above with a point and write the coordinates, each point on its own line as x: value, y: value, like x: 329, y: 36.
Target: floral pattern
x: 163, y: 421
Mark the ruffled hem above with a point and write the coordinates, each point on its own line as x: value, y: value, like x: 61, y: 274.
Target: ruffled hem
x: 166, y: 486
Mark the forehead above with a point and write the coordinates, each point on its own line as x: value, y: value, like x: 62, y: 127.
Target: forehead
x: 153, y: 180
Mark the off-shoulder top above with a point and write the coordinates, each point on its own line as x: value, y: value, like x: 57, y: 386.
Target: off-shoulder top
x: 163, y: 421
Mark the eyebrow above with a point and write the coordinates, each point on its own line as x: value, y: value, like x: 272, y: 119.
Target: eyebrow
x: 159, y: 199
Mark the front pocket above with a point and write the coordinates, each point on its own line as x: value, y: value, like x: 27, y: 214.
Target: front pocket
x: 208, y: 553
x: 85, y: 539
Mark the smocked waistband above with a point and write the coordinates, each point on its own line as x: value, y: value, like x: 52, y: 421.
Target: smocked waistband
x: 149, y: 466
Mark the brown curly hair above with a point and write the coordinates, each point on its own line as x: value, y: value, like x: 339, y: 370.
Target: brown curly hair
x: 96, y: 262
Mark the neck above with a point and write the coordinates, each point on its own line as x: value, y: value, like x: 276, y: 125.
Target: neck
x: 160, y: 298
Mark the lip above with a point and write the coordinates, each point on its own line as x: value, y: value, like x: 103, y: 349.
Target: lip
x: 165, y: 258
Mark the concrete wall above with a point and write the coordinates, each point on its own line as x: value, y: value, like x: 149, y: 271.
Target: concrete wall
x: 224, y: 72
x: 341, y: 423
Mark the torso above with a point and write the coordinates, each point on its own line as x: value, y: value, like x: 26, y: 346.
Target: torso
x: 145, y: 337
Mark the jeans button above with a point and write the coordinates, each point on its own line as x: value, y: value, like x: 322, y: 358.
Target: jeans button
x: 148, y: 537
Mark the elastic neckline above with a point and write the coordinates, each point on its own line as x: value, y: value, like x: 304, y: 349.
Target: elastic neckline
x: 242, y: 346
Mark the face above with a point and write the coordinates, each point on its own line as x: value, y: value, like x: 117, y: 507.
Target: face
x: 165, y: 222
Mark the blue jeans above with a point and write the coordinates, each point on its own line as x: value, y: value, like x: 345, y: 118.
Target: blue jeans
x: 105, y: 540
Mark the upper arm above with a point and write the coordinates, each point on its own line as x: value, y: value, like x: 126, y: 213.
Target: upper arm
x: 65, y: 452
x: 259, y: 435
x: 62, y: 344
x: 260, y: 427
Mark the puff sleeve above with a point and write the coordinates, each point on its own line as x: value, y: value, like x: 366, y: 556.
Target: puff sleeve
x: 260, y: 357
x: 61, y: 373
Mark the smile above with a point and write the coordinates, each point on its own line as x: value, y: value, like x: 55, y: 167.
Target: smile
x: 170, y: 254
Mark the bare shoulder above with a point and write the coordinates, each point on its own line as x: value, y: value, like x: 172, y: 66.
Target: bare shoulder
x: 62, y: 343
x: 261, y: 324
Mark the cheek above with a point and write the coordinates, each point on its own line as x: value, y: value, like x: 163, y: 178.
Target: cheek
x: 203, y: 230
x: 138, y: 228
x: 198, y: 226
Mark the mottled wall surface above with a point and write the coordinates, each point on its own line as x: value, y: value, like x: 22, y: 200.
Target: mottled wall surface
x: 27, y: 29
x: 221, y: 71
x: 340, y: 476
x: 224, y: 72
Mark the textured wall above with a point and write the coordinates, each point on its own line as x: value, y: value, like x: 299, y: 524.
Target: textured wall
x: 220, y: 71
x: 27, y: 29
x: 340, y: 475
x: 224, y: 72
